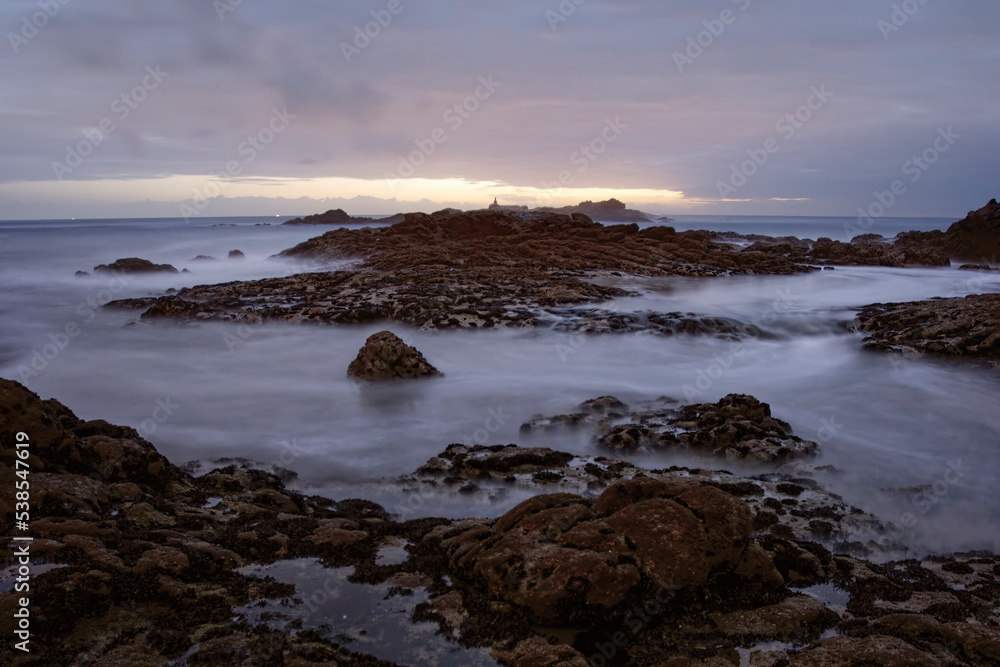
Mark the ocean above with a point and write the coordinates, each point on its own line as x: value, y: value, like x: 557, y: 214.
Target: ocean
x: 279, y: 394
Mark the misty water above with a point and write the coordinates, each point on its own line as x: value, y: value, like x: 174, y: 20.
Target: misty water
x: 906, y: 434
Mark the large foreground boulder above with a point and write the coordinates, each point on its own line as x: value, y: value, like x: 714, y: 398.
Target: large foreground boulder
x: 569, y: 559
x: 386, y: 357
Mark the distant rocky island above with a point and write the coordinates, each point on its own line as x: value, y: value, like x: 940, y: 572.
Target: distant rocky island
x: 338, y: 216
x: 611, y: 210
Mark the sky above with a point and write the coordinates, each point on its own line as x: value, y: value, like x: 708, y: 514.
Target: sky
x: 132, y: 108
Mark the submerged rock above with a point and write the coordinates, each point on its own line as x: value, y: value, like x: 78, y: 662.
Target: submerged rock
x: 386, y: 357
x: 134, y: 265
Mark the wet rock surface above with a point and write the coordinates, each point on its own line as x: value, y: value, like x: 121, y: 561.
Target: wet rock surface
x: 736, y: 428
x: 386, y: 357
x: 965, y: 327
x: 634, y: 566
x: 468, y: 299
x: 598, y: 321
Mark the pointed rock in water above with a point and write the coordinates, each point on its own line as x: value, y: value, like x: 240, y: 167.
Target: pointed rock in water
x: 386, y: 357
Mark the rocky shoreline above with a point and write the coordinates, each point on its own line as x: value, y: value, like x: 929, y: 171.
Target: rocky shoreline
x: 144, y: 564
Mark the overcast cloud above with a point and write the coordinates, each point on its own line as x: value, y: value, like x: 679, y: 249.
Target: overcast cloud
x: 225, y: 69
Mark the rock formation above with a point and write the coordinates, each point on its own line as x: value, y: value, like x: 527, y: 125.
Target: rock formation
x: 736, y: 428
x: 386, y: 357
x: 963, y: 327
x: 134, y: 265
x: 338, y: 216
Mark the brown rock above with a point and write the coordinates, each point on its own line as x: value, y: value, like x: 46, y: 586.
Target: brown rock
x: 966, y: 327
x: 539, y: 652
x: 386, y: 357
x: 134, y: 265
x: 569, y: 559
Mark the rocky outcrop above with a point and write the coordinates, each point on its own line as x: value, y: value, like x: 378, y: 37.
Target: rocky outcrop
x: 736, y: 428
x: 338, y: 216
x: 976, y: 237
x: 964, y: 327
x: 533, y: 243
x: 481, y: 298
x: 863, y: 250
x: 481, y: 269
x: 386, y: 357
x: 611, y: 210
x: 236, y: 254
x: 134, y: 265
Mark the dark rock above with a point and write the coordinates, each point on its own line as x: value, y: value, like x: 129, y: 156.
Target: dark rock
x: 134, y: 265
x: 386, y: 357
x: 236, y: 254
x: 338, y: 216
x: 172, y: 307
x: 737, y: 428
x: 572, y: 560
x: 611, y: 210
x: 964, y: 327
